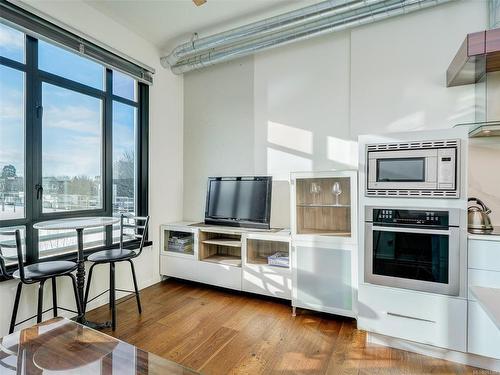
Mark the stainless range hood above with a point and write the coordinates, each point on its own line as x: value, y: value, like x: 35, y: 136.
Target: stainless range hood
x: 487, y: 107
x: 482, y: 69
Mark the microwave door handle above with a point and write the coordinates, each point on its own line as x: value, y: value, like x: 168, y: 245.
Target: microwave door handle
x: 411, y: 230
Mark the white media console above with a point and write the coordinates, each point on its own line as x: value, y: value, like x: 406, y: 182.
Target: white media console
x: 321, y: 248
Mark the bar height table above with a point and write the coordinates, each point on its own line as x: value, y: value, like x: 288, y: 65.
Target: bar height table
x: 79, y: 224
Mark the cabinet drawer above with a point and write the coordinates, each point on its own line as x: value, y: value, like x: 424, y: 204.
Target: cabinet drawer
x: 484, y: 336
x: 203, y: 272
x: 266, y: 280
x: 182, y: 268
x: 484, y: 255
x: 487, y: 279
x: 424, y: 318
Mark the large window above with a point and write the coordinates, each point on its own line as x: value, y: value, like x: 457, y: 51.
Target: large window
x: 73, y: 142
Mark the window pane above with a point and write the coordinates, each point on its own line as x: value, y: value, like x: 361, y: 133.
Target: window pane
x: 11, y: 144
x: 9, y: 254
x: 71, y: 150
x: 53, y: 242
x: 124, y: 160
x: 69, y: 65
x: 11, y: 43
x: 124, y: 86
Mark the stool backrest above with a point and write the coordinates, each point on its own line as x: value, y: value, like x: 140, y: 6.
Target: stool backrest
x: 19, y: 250
x: 139, y: 225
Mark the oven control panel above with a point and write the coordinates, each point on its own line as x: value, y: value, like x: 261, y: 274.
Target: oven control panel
x: 411, y: 217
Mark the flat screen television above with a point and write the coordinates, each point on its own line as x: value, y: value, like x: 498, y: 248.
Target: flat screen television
x: 239, y: 201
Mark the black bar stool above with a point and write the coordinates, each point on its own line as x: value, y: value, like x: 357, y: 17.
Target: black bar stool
x: 36, y: 273
x: 139, y: 225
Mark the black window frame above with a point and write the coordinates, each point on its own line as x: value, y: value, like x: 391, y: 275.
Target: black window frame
x: 34, y: 79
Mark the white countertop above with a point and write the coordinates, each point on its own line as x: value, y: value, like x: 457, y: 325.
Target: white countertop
x: 281, y: 232
x: 489, y: 299
x: 494, y: 236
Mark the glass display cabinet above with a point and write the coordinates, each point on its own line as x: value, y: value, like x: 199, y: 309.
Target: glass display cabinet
x: 323, y: 204
x: 324, y: 238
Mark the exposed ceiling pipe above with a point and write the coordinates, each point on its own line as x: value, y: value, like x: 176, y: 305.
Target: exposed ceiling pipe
x: 266, y: 26
x: 347, y: 15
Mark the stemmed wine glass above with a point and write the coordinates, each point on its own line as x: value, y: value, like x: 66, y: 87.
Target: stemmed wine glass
x: 315, y: 188
x: 336, y: 190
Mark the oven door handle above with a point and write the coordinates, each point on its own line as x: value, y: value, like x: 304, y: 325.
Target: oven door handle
x: 412, y: 230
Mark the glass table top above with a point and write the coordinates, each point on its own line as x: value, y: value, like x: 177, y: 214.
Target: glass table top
x: 66, y: 347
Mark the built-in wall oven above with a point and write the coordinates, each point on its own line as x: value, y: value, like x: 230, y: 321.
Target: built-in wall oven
x: 416, y: 249
x: 413, y: 169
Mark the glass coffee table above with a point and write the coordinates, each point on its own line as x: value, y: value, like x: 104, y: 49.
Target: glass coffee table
x: 63, y: 346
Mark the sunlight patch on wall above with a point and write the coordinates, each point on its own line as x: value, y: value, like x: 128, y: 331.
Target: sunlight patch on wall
x: 342, y: 151
x: 280, y: 163
x: 412, y: 122
x: 287, y: 136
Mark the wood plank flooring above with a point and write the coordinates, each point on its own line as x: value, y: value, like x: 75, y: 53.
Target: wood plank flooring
x: 216, y: 331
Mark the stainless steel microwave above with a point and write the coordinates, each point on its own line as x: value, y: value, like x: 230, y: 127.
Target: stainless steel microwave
x: 414, y: 169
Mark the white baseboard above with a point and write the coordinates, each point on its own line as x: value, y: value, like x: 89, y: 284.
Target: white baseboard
x: 432, y: 351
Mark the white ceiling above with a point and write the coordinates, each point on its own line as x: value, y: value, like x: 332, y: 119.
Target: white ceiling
x: 166, y: 23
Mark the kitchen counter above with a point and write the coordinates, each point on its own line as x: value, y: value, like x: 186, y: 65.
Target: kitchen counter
x: 493, y: 236
x: 489, y: 299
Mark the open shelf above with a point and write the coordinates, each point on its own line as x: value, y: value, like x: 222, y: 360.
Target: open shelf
x: 319, y: 210
x: 224, y: 242
x: 228, y: 260
x: 220, y: 248
x: 258, y: 251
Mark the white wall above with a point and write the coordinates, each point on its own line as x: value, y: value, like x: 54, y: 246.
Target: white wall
x: 312, y: 99
x: 165, y: 187
x: 221, y: 111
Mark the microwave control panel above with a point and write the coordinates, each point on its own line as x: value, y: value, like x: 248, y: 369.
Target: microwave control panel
x: 446, y: 168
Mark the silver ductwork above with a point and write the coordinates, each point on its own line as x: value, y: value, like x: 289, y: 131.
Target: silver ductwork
x: 301, y: 24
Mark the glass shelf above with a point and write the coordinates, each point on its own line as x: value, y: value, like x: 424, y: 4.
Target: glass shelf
x: 482, y: 129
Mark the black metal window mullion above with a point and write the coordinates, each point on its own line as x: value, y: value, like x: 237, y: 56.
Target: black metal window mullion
x: 108, y: 154
x: 32, y: 162
x: 143, y: 151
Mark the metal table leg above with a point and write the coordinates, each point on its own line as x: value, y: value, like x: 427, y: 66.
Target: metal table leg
x: 80, y: 285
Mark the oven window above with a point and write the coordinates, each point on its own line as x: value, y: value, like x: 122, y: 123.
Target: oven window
x: 401, y: 170
x: 416, y: 256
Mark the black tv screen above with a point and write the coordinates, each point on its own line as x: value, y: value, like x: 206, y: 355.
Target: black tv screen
x: 239, y: 201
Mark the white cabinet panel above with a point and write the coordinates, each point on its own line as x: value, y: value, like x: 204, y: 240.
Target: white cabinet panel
x: 204, y: 272
x: 425, y: 318
x: 484, y: 255
x: 267, y: 280
x: 484, y: 336
x: 322, y: 278
x: 177, y: 267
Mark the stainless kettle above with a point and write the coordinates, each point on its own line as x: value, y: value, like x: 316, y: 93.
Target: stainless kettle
x: 479, y: 221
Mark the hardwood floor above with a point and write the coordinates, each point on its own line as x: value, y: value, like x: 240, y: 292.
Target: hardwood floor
x: 216, y: 331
